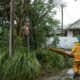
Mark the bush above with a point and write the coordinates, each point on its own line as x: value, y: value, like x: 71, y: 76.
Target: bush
x: 3, y: 58
x: 22, y: 67
x: 50, y: 60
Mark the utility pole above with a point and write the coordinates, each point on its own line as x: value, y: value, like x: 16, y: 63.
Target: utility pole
x: 62, y: 33
x: 62, y: 19
x: 63, y: 4
x: 11, y: 28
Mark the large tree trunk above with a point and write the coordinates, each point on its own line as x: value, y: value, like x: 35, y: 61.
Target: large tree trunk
x: 59, y: 51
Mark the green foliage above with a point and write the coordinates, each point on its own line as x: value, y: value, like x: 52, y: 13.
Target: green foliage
x: 22, y: 67
x: 19, y: 42
x: 68, y: 62
x: 4, y: 37
x: 78, y: 36
x: 39, y: 11
x: 55, y: 41
x: 3, y: 58
x: 50, y: 61
x: 4, y: 9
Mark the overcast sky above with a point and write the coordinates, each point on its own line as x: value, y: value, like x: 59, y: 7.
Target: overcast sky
x: 71, y: 11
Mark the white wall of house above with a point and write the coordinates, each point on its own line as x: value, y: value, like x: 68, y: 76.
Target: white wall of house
x: 69, y: 33
x: 64, y: 42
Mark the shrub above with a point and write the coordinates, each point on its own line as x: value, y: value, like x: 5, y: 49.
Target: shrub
x: 3, y: 58
x: 50, y: 60
x: 22, y: 67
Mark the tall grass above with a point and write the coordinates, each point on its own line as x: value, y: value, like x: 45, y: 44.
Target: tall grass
x: 3, y: 58
x: 22, y: 67
x: 50, y: 60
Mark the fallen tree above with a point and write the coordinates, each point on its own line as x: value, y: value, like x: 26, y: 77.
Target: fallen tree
x: 59, y: 51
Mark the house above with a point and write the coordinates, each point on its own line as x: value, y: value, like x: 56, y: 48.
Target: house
x: 58, y: 32
x: 71, y: 34
x: 73, y: 29
x: 62, y: 42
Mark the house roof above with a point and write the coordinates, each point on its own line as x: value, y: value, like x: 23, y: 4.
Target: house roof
x: 75, y: 25
x: 66, y: 26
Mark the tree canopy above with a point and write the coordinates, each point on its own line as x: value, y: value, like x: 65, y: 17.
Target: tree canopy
x: 41, y: 22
